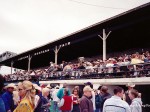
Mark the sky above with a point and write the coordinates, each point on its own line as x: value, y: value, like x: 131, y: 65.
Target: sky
x: 26, y: 24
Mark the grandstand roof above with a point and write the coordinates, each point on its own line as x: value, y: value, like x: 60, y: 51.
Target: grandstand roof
x: 129, y: 30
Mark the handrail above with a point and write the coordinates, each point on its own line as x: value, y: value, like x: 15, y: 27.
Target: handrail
x: 86, y: 73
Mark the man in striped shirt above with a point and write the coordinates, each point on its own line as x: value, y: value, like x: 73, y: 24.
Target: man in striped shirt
x: 115, y: 103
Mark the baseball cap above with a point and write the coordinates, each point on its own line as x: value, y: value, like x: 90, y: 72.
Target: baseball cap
x: 88, y: 83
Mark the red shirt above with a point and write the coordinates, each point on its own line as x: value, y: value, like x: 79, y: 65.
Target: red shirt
x: 67, y: 103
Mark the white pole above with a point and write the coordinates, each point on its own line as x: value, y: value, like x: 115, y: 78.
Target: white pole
x: 56, y: 50
x: 104, y: 49
x: 29, y: 62
x: 12, y: 66
x: 56, y: 54
x: 104, y: 38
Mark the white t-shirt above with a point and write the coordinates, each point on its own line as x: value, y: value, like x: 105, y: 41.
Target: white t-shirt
x: 116, y: 104
x: 54, y: 95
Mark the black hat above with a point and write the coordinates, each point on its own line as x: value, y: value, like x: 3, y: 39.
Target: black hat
x: 88, y: 83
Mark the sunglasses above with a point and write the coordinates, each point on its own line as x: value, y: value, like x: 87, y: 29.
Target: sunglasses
x: 20, y: 89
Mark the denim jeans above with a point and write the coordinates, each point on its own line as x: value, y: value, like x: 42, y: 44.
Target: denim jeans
x: 56, y: 108
x: 76, y: 108
x: 97, y: 110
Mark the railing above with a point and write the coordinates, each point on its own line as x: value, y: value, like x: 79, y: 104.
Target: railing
x: 124, y: 71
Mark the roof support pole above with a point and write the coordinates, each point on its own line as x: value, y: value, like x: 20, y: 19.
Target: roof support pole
x: 12, y: 63
x: 104, y: 38
x: 29, y: 62
x: 56, y: 50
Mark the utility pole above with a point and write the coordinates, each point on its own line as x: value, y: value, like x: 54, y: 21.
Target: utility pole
x: 104, y: 38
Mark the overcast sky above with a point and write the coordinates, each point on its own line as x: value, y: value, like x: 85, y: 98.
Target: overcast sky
x: 25, y: 24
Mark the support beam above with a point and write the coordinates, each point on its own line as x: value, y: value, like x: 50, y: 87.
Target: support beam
x: 29, y: 62
x: 12, y: 63
x: 56, y: 50
x: 104, y: 38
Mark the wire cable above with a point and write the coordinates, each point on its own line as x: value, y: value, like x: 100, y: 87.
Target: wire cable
x: 96, y: 5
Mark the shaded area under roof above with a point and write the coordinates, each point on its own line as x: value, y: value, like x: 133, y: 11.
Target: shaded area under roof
x: 129, y: 30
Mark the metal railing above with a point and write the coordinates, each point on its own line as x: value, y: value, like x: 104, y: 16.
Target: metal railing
x: 123, y: 71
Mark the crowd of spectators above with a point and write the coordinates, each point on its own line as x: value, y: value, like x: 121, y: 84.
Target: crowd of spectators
x: 26, y: 96
x: 133, y: 64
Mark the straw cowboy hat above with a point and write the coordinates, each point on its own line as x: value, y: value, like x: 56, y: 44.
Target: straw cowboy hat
x: 11, y: 85
x: 130, y: 85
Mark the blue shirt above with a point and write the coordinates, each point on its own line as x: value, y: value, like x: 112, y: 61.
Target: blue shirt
x: 8, y: 101
x: 2, y: 105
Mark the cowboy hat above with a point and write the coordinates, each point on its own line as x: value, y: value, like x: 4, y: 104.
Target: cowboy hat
x: 130, y: 85
x: 11, y: 85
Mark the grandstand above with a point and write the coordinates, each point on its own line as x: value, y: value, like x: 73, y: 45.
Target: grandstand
x: 128, y: 30
x: 129, y: 34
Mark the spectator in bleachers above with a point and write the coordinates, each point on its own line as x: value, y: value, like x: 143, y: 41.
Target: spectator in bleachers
x: 68, y: 67
x: 120, y: 61
x: 63, y: 64
x: 136, y: 59
x: 51, y: 67
x: 100, y: 66
x: 81, y: 66
x: 91, y: 66
x: 110, y: 65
